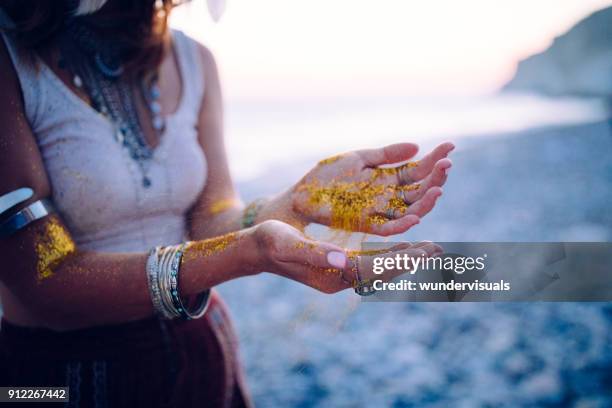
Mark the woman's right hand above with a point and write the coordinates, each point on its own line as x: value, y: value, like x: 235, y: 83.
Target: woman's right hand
x: 285, y: 251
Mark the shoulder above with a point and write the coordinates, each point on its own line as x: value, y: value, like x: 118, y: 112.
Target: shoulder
x: 20, y: 161
x: 8, y: 80
x: 203, y: 53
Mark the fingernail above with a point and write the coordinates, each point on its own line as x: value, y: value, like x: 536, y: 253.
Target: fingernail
x: 336, y: 259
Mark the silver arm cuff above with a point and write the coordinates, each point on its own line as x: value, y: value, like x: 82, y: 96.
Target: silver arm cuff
x: 35, y: 211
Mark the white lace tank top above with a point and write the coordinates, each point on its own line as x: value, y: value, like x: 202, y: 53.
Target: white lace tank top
x: 96, y: 186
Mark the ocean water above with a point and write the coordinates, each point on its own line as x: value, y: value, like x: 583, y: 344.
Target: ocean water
x: 265, y: 135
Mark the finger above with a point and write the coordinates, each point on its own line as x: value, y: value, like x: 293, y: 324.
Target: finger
x: 366, y: 263
x: 394, y: 227
x: 327, y: 280
x: 436, y: 178
x: 401, y: 247
x: 432, y: 249
x: 426, y: 243
x: 427, y: 163
x: 315, y: 253
x: 424, y: 205
x: 394, y: 153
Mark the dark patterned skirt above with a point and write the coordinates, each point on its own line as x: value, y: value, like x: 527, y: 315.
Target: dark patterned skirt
x: 148, y: 363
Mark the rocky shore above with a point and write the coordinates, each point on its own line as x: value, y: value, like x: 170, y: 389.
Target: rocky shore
x: 306, y: 349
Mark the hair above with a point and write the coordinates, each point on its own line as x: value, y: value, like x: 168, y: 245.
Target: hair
x: 140, y: 26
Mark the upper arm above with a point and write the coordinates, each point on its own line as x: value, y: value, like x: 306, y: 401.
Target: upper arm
x: 219, y: 187
x: 21, y: 165
x: 20, y: 162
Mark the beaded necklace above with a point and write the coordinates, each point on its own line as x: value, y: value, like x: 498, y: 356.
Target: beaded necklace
x: 96, y: 67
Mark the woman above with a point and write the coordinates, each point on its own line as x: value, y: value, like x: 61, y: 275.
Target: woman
x: 117, y: 121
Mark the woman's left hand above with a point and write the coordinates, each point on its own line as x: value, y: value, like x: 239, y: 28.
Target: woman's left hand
x: 353, y: 192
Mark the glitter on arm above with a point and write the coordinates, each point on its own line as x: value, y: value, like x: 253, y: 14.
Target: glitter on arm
x: 208, y: 247
x: 223, y: 205
x: 53, y: 246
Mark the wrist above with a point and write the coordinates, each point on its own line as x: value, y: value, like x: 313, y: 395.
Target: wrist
x: 251, y: 257
x: 281, y: 208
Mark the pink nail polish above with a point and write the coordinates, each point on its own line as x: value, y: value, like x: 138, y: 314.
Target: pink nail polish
x: 336, y: 259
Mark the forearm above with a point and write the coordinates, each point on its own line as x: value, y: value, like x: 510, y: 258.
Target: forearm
x: 90, y: 288
x: 207, y: 223
x: 228, y: 216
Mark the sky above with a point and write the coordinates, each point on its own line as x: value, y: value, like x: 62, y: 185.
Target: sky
x: 283, y: 49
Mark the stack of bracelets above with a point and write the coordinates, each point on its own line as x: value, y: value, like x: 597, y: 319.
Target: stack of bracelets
x: 163, y: 267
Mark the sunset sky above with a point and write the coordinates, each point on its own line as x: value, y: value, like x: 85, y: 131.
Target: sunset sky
x: 313, y: 48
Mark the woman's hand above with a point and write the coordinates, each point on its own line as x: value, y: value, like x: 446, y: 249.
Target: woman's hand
x: 353, y: 192
x: 285, y: 251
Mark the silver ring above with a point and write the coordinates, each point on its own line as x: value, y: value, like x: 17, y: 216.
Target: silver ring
x: 390, y: 213
x: 343, y: 279
x: 403, y: 177
x: 403, y: 197
x: 362, y: 288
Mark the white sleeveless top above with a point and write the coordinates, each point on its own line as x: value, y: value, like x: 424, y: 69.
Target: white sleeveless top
x: 96, y: 186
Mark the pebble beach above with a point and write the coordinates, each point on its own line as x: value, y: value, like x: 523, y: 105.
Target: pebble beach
x: 305, y: 349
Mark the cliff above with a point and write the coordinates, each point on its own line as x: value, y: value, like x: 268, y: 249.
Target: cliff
x: 578, y: 62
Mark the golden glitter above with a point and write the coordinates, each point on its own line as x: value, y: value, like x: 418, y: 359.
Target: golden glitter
x: 207, y: 247
x: 365, y: 252
x: 330, y: 160
x: 377, y: 219
x: 347, y: 201
x: 325, y: 270
x: 299, y: 245
x: 398, y: 204
x: 407, y: 188
x: 223, y: 205
x: 52, y: 248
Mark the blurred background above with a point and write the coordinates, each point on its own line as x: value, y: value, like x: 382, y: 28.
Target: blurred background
x: 523, y: 88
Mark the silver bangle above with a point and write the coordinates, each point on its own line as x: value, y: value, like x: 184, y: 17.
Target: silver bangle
x: 35, y: 211
x: 363, y: 287
x: 164, y: 279
x: 153, y: 280
x: 163, y: 267
x: 11, y: 199
x: 203, y: 298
